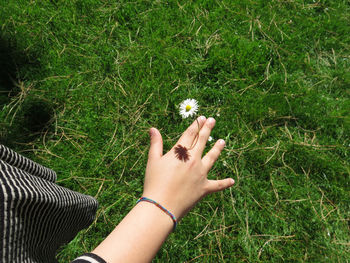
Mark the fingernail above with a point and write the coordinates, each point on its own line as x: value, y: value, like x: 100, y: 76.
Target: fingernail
x: 211, y: 120
x: 201, y: 118
x: 232, y: 181
x: 151, y: 132
x: 222, y: 142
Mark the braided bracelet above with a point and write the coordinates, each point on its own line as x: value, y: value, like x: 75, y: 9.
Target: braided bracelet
x: 161, y: 207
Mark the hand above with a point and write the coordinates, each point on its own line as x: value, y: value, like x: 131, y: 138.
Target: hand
x: 178, y: 179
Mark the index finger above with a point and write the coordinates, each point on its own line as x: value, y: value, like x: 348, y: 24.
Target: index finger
x: 189, y: 135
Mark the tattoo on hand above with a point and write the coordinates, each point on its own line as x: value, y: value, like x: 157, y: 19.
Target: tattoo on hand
x: 182, y: 153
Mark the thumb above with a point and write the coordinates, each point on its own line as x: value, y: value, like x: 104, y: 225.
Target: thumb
x: 219, y: 185
x: 156, y: 148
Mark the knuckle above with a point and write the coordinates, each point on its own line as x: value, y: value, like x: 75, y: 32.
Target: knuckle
x: 220, y: 185
x: 217, y: 147
x: 210, y: 159
x: 203, y: 173
x: 213, y: 155
x: 192, y: 131
x: 209, y: 124
x: 193, y: 163
x: 202, y: 137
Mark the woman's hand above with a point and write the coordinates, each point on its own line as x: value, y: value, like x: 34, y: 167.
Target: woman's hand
x: 178, y: 179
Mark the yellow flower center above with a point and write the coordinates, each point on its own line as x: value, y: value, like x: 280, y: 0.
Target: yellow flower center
x: 188, y: 107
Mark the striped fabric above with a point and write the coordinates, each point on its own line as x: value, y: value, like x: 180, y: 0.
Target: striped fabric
x: 36, y: 215
x: 89, y: 258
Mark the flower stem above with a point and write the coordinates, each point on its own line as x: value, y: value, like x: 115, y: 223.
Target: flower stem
x: 196, y: 138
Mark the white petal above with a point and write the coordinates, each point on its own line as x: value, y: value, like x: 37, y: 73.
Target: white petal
x: 182, y: 108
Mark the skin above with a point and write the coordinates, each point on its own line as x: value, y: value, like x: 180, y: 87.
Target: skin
x: 175, y: 184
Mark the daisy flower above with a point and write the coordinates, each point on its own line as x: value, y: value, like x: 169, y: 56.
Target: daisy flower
x: 188, y: 108
x: 210, y: 139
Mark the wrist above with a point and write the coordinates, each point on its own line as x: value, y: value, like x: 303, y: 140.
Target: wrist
x: 162, y: 198
x: 155, y: 216
x: 162, y: 208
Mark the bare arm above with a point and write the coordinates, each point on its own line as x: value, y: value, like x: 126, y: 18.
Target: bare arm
x: 176, y: 183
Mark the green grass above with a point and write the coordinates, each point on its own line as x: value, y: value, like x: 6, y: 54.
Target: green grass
x: 89, y: 78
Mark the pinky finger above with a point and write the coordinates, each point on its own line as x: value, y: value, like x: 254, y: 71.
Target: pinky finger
x: 219, y: 185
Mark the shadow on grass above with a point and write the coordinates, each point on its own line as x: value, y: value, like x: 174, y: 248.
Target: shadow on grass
x: 8, y: 69
x: 24, y: 117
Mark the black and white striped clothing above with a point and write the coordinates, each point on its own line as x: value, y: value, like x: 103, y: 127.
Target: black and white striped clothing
x: 36, y: 215
x: 89, y: 258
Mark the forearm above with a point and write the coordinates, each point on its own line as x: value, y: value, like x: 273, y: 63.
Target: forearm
x: 138, y: 237
x: 178, y: 184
